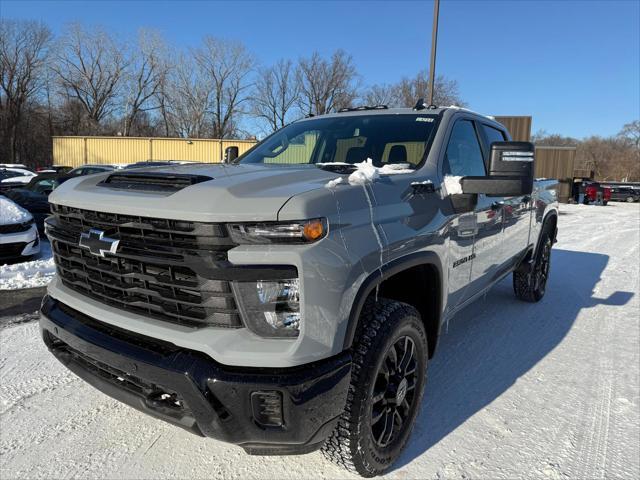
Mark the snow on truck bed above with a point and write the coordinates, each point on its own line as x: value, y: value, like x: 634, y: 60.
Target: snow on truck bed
x: 516, y: 390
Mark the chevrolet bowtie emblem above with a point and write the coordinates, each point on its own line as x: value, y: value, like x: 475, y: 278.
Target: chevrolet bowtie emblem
x: 97, y: 243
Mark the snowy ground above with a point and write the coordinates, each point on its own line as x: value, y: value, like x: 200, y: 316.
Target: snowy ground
x: 35, y: 273
x: 549, y: 390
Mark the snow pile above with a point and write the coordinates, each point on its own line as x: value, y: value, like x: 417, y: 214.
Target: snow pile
x: 451, y: 185
x: 36, y: 273
x: 366, y: 172
x: 11, y: 213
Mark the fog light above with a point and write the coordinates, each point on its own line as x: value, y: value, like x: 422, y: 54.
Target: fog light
x: 270, y: 308
x: 267, y: 408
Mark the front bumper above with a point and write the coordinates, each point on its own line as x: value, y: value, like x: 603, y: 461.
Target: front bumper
x: 188, y: 389
x: 21, y: 244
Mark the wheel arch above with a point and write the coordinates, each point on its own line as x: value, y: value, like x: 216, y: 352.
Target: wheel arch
x: 415, y: 279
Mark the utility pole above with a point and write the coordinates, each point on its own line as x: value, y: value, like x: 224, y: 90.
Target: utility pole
x: 434, y: 44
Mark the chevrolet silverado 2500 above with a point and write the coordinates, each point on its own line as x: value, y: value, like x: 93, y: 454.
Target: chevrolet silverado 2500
x: 290, y: 300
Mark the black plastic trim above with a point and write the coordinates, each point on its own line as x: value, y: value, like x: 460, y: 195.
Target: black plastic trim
x: 211, y: 399
x: 379, y: 276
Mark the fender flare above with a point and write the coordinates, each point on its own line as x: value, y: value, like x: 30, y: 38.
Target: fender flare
x: 376, y: 278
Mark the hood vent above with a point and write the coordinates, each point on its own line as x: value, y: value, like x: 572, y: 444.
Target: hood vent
x: 152, y: 182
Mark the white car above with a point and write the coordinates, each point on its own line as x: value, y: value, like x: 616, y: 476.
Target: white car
x: 15, y: 175
x: 18, y: 233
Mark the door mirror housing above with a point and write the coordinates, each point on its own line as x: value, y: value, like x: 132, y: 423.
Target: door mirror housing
x: 230, y: 154
x: 511, y: 170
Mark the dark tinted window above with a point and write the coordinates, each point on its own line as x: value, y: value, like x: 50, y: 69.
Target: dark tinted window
x: 493, y: 135
x: 464, y: 156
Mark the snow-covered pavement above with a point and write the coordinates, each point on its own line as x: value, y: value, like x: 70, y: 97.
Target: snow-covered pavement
x: 34, y: 273
x: 516, y: 390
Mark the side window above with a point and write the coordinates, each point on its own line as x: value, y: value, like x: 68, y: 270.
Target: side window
x: 493, y: 135
x: 464, y: 155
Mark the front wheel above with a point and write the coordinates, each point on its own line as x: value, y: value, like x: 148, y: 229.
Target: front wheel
x: 387, y: 384
x: 531, y: 285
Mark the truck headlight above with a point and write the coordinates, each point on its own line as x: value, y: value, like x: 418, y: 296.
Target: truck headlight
x: 270, y: 308
x: 304, y: 231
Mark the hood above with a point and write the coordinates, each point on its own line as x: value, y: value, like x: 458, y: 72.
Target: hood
x: 244, y: 192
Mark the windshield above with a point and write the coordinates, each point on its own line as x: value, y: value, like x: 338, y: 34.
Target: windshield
x: 386, y: 139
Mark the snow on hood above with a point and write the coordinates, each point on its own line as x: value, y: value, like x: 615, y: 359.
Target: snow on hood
x: 366, y: 172
x: 11, y: 212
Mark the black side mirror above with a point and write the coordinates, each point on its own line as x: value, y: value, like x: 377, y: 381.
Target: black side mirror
x: 511, y: 171
x: 230, y: 154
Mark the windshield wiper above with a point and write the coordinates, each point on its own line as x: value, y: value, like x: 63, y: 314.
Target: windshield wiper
x: 337, y: 167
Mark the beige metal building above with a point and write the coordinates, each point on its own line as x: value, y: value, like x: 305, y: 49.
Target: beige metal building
x: 557, y: 162
x: 519, y: 126
x: 76, y: 151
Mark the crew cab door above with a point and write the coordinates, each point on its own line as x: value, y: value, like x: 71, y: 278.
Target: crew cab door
x: 515, y: 211
x: 475, y: 240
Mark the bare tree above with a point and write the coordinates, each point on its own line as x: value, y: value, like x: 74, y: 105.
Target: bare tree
x: 23, y: 55
x: 631, y: 133
x: 326, y: 85
x: 90, y: 68
x: 542, y: 138
x: 409, y: 90
x: 381, y: 95
x: 275, y: 94
x: 144, y: 78
x: 186, y: 96
x: 225, y: 65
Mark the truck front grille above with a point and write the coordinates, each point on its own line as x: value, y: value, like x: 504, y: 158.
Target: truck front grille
x: 165, y: 269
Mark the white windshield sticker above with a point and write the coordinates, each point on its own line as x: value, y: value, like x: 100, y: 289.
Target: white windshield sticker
x: 424, y: 119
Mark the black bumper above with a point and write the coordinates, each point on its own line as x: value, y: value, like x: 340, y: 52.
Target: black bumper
x: 189, y: 389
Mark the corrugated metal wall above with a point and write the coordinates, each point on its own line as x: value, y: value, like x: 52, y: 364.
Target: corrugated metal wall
x: 557, y: 162
x: 76, y: 151
x: 519, y: 127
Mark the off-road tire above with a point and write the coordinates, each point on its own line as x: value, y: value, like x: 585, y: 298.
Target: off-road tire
x: 527, y: 285
x: 352, y: 445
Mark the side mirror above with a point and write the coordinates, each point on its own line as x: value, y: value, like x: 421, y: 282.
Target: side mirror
x: 230, y: 154
x: 511, y: 170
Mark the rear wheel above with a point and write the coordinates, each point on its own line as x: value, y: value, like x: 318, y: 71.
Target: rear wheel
x: 387, y: 385
x: 630, y: 200
x: 531, y: 285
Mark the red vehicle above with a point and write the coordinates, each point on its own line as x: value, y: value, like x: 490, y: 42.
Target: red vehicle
x: 595, y: 193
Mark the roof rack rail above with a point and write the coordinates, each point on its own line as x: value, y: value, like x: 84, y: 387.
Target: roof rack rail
x: 421, y: 105
x: 363, y: 108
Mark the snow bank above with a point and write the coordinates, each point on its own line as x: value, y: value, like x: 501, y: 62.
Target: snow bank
x: 451, y: 185
x: 11, y: 213
x: 366, y: 172
x: 36, y: 273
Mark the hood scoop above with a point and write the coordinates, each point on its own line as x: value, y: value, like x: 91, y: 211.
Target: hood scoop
x: 152, y: 182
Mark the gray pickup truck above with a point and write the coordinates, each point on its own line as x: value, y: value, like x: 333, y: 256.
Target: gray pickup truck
x: 290, y: 299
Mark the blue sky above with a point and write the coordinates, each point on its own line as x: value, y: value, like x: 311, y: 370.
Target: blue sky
x: 573, y: 65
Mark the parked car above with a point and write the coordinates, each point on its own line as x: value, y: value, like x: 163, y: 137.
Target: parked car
x: 291, y: 300
x: 147, y: 164
x: 13, y: 176
x: 55, y: 169
x: 34, y: 196
x: 622, y: 193
x: 18, y: 234
x: 14, y: 165
x: 594, y: 193
x: 91, y: 169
